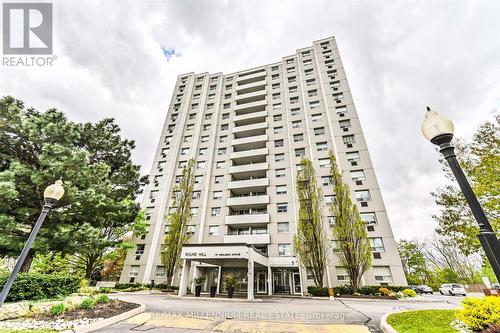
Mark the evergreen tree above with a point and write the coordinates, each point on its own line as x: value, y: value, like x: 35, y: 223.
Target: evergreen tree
x: 349, y: 231
x: 310, y: 241
x: 178, y: 221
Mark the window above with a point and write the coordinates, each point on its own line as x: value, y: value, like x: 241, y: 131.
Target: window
x: 342, y: 274
x: 284, y: 249
x: 345, y: 123
x: 196, y: 194
x: 300, y: 152
x: 292, y: 89
x: 217, y: 195
x: 331, y: 220
x: 227, y: 106
x: 289, y: 61
x: 205, y: 138
x: 321, y: 146
x: 319, y: 131
x: 307, y: 62
x: 278, y: 130
x: 382, y: 273
x: 348, y: 139
x: 275, y: 86
x: 227, y: 96
x: 184, y: 151
x: 198, y: 179
x: 160, y: 271
x: 363, y: 195
x: 312, y: 93
x: 274, y: 68
x: 276, y: 106
x: 358, y: 175
x: 191, y: 229
x: 335, y: 246
x: 275, y: 76
x: 223, y: 138
x: 298, y: 137
x: 218, y: 179
x: 134, y: 271
x: 279, y: 157
x: 278, y: 143
x: 282, y: 207
x: 164, y: 152
x: 229, y: 86
x: 221, y: 165
x: 149, y: 213
x: 294, y: 100
x: 281, y: 189
x: 292, y: 79
x: 278, y: 117
x: 225, y: 116
x: 376, y: 244
x: 221, y: 151
x: 168, y: 139
x: 290, y: 70
x: 181, y: 164
x: 208, y: 116
x: 194, y: 211
x: 215, y: 211
x: 368, y: 218
x: 206, y: 127
x: 310, y: 82
x: 316, y: 117
x: 298, y: 167
x: 224, y: 127
x: 202, y: 151
x: 189, y: 127
x: 200, y: 165
x: 194, y: 106
x: 308, y: 72
x: 280, y: 173
x: 341, y: 109
x: 353, y: 156
x: 297, y: 124
x: 326, y: 180
x: 139, y: 250
x: 283, y: 227
x: 324, y: 162
x: 276, y: 95
x: 213, y: 230
x: 295, y: 111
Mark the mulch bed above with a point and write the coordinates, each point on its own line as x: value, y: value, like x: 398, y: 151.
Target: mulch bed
x: 110, y: 309
x: 367, y: 297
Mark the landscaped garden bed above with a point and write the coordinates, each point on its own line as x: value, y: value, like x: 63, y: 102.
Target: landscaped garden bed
x: 366, y: 292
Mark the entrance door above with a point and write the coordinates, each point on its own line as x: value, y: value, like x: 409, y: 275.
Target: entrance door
x: 296, y: 283
x: 261, y: 282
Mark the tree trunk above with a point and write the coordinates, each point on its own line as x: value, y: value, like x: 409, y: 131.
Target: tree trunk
x: 27, y: 262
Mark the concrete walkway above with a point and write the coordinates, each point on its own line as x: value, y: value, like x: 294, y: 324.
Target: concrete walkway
x: 272, y: 314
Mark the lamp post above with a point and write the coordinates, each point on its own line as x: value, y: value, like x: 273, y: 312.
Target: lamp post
x: 51, y: 195
x: 439, y: 130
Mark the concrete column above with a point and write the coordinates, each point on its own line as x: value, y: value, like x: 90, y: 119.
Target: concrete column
x: 269, y: 281
x: 196, y: 274
x: 186, y: 266
x: 329, y: 280
x: 250, y: 275
x: 218, y: 279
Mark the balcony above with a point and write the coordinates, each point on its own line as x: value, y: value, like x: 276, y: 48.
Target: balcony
x: 246, y: 219
x: 251, y: 87
x: 250, y: 155
x: 248, y: 239
x: 250, y: 107
x: 249, y: 140
x: 250, y: 183
x: 251, y: 96
x: 249, y: 168
x: 248, y: 200
x: 253, y: 77
x: 258, y: 127
x: 250, y: 116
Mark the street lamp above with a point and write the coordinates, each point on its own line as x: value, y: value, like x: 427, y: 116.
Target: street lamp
x: 439, y: 130
x: 51, y: 195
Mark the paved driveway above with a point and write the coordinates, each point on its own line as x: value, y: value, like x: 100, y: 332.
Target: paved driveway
x: 277, y: 314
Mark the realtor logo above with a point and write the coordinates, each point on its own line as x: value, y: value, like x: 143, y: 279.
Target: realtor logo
x: 27, y: 28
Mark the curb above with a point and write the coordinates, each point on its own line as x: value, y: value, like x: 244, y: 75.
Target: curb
x: 109, y: 321
x: 219, y: 299
x: 384, y: 326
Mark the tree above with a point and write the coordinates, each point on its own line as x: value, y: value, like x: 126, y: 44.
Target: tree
x: 349, y: 231
x: 178, y: 221
x: 413, y: 260
x: 100, y: 181
x: 113, y: 263
x: 480, y: 159
x: 310, y: 241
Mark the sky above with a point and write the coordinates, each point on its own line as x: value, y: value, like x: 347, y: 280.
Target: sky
x: 121, y: 59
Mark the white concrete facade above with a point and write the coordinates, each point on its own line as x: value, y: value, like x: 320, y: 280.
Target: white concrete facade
x: 247, y: 132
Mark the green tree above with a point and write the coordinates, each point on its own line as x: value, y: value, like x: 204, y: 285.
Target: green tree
x: 413, y: 260
x: 100, y: 181
x: 310, y: 241
x: 178, y: 221
x: 480, y: 159
x: 349, y: 231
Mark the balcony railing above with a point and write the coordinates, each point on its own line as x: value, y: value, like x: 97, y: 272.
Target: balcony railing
x: 248, y: 239
x: 248, y: 183
x: 248, y: 200
x: 247, y: 219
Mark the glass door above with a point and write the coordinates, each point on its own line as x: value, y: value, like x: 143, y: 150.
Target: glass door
x: 261, y: 282
x: 296, y: 283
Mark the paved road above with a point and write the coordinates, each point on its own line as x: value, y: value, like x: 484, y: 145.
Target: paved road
x: 277, y: 314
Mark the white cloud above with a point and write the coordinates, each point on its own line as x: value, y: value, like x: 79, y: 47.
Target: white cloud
x: 399, y: 57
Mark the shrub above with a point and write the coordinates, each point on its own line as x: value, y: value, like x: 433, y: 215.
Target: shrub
x: 57, y: 309
x: 87, y: 303
x: 120, y: 286
x: 104, y: 290
x: 369, y: 290
x: 409, y: 293
x: 344, y: 290
x: 103, y: 299
x: 385, y: 291
x: 317, y: 291
x: 36, y: 286
x: 479, y: 313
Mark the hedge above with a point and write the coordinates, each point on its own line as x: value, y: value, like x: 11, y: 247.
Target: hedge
x: 36, y: 286
x: 348, y: 290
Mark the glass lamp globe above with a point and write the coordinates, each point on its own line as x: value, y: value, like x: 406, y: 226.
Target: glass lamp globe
x: 435, y: 125
x: 54, y: 191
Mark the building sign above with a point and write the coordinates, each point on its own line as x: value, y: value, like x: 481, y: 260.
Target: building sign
x: 214, y: 252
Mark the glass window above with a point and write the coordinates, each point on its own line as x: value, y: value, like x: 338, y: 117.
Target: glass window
x: 221, y: 151
x: 363, y: 195
x: 280, y: 173
x: 278, y: 130
x: 194, y: 211
x: 326, y: 180
x: 277, y: 117
x: 216, y: 211
x: 353, y: 156
x: 279, y: 157
x: 319, y: 131
x: 221, y: 165
x: 283, y: 227
x: 281, y: 189
x: 358, y: 175
x: 218, y: 179
x: 217, y: 195
x: 191, y: 229
x: 376, y: 244
x: 295, y: 111
x: 279, y: 143
x: 282, y: 207
x: 345, y: 123
x: 324, y: 162
x: 297, y: 124
x: 368, y: 218
x: 213, y: 230
x: 203, y: 151
x: 134, y: 271
x: 205, y: 138
x: 198, y: 179
x: 200, y: 165
x: 184, y: 151
x: 348, y: 139
x: 316, y: 117
x: 298, y: 137
x: 300, y: 152
x: 160, y: 271
x: 284, y: 249
x: 312, y: 93
x: 196, y: 194
x: 321, y: 146
x: 310, y: 82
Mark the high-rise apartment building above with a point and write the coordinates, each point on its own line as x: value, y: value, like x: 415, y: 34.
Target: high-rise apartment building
x: 247, y: 132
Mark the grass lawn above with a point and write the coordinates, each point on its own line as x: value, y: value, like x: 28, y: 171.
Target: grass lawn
x: 4, y: 330
x: 423, y: 321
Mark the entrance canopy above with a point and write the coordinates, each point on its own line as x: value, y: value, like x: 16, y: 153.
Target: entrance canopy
x: 223, y: 254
